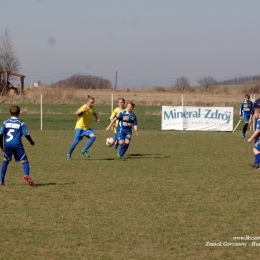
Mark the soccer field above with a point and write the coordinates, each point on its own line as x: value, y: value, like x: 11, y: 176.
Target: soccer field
x: 178, y: 195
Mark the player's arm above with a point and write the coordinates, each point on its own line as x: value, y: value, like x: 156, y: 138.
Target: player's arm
x: 1, y: 142
x: 241, y: 110
x: 256, y: 133
x: 111, y: 123
x: 28, y: 137
x: 136, y: 129
x: 96, y: 116
x: 135, y: 126
x: 81, y: 110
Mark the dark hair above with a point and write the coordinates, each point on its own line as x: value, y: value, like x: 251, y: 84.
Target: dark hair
x: 131, y: 103
x: 90, y: 97
x: 122, y: 99
x: 14, y: 111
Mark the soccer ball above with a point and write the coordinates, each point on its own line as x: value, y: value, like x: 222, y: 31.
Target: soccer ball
x: 110, y: 141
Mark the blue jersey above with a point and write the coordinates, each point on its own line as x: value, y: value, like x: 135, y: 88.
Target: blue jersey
x: 257, y: 144
x: 257, y: 103
x: 257, y: 124
x: 13, y: 129
x: 126, y: 121
x: 246, y: 108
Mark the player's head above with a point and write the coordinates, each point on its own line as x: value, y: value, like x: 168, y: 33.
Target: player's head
x: 15, y: 111
x: 90, y: 101
x: 257, y: 113
x: 121, y: 102
x: 247, y: 97
x: 130, y: 106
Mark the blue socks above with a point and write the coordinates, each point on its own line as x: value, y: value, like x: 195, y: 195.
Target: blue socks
x: 124, y: 149
x: 257, y: 158
x: 119, y: 149
x: 3, y: 171
x: 26, y: 168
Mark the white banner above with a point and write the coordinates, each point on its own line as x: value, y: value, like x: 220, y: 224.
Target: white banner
x: 197, y: 118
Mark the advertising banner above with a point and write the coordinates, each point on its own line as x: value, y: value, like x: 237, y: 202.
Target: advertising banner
x: 197, y: 118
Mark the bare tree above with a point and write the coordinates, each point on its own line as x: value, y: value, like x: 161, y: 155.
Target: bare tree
x: 207, y: 81
x: 83, y: 81
x: 182, y: 83
x: 8, y: 60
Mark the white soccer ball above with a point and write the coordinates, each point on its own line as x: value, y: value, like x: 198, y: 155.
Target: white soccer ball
x: 110, y: 141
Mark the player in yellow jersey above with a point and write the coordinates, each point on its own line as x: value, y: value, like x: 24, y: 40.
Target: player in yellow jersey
x: 120, y: 108
x: 82, y: 128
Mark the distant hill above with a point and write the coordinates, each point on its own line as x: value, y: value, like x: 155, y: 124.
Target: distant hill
x: 240, y: 80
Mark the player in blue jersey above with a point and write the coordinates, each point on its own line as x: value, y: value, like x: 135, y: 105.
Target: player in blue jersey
x: 11, y: 132
x: 245, y: 112
x: 256, y: 105
x: 256, y: 149
x: 127, y: 119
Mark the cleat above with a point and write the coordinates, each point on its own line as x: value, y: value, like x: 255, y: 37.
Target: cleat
x: 243, y: 135
x: 118, y: 155
x: 85, y: 153
x: 2, y: 184
x: 29, y: 180
x: 122, y: 157
x: 69, y: 157
x: 254, y: 165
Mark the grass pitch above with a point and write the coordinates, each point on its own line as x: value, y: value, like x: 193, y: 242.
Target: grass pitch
x: 175, y: 192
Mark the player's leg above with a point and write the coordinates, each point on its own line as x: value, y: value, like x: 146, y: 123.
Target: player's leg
x: 8, y: 152
x: 256, y: 151
x: 121, y: 142
x: 126, y: 145
x: 77, y: 137
x: 20, y: 156
x: 118, y: 146
x: 116, y: 141
x: 3, y: 171
x: 89, y: 133
x: 26, y: 170
x: 246, y: 120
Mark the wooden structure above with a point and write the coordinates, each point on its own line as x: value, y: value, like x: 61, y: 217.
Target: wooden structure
x: 8, y: 85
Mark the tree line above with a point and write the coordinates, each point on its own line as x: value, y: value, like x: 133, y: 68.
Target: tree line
x: 240, y: 80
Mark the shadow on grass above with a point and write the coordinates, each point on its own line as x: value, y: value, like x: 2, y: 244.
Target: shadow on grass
x: 128, y: 156
x: 53, y: 184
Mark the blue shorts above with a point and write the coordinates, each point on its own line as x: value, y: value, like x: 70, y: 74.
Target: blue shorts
x: 79, y: 134
x: 18, y: 153
x: 257, y: 145
x: 246, y: 117
x: 123, y: 136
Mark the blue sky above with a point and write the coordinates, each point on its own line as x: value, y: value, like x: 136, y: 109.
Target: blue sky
x: 148, y: 42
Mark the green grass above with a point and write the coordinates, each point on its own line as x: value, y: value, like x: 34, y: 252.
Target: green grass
x: 174, y: 192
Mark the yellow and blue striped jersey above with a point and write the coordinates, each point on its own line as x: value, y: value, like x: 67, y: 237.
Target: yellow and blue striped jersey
x: 84, y: 121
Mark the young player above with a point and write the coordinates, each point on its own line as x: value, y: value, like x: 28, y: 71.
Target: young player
x: 120, y: 108
x: 11, y: 131
x: 256, y: 149
x: 82, y: 128
x: 127, y: 119
x: 257, y: 105
x: 245, y: 112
